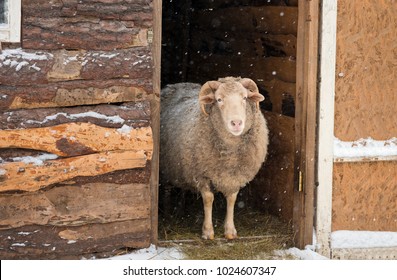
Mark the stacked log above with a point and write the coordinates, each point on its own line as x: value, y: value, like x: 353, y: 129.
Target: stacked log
x: 76, y: 139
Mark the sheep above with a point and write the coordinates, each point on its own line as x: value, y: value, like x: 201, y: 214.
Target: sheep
x: 212, y: 138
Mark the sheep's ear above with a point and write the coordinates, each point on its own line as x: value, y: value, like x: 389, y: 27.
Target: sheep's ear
x: 207, y: 94
x: 253, y: 91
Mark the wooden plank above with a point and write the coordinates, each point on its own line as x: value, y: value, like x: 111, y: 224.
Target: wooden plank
x: 19, y: 176
x: 278, y: 91
x: 306, y: 117
x: 155, y: 119
x: 52, y: 242
x: 366, y: 70
x: 74, y: 139
x: 78, y: 25
x: 243, y: 44
x: 71, y: 94
x: 364, y: 196
x: 261, y: 69
x: 326, y: 126
x: 270, y: 19
x: 70, y: 205
x: 130, y: 114
x: 275, y: 193
x: 25, y: 67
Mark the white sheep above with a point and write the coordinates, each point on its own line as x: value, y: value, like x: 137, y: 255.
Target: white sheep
x: 218, y: 148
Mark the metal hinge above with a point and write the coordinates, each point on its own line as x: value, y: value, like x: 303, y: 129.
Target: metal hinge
x: 300, y: 187
x: 150, y: 35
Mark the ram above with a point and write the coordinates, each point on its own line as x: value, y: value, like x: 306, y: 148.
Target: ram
x: 214, y: 138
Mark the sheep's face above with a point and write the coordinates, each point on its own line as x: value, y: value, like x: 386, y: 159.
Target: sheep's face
x: 231, y: 98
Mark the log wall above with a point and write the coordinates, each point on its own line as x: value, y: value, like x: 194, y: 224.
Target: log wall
x: 76, y: 139
x: 364, y: 193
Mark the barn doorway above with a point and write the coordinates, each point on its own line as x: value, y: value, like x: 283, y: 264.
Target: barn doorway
x: 268, y: 41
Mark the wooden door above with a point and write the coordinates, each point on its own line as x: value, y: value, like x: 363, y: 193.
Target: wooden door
x: 305, y: 125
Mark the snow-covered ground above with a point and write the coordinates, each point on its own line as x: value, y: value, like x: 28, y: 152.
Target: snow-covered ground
x: 339, y: 239
x: 173, y: 253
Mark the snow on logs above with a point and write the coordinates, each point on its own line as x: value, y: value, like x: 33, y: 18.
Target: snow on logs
x: 90, y: 141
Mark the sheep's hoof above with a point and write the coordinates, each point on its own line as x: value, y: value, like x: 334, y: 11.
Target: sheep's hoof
x: 231, y: 236
x: 208, y: 237
x: 208, y: 234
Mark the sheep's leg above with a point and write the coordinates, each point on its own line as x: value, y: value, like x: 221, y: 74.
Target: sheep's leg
x: 230, y: 230
x: 208, y: 229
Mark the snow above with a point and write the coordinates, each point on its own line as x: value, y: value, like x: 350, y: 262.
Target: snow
x: 306, y: 254
x: 112, y: 119
x: 173, y: 253
x: 365, y: 148
x: 152, y: 253
x: 17, y: 58
x: 363, y: 239
x: 37, y: 160
x: 125, y: 130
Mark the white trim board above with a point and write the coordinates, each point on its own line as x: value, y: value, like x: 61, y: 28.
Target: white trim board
x: 327, y: 64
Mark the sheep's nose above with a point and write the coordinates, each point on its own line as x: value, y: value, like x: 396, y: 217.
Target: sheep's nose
x: 236, y: 123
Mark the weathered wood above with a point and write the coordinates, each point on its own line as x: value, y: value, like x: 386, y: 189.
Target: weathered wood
x: 130, y: 114
x: 19, y: 176
x: 74, y: 139
x: 253, y: 44
x: 22, y: 67
x: 215, y: 4
x: 66, y: 205
x: 366, y: 70
x: 72, y: 93
x: 155, y: 119
x: 274, y: 193
x: 260, y: 69
x: 306, y: 120
x: 51, y: 242
x: 364, y: 196
x: 270, y: 19
x: 278, y: 92
x: 81, y: 25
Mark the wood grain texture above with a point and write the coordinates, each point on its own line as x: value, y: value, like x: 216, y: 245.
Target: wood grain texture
x: 92, y: 25
x: 71, y: 205
x: 366, y: 70
x: 74, y: 93
x: 53, y: 242
x: 273, y: 185
x: 271, y: 19
x: 365, y: 196
x: 134, y: 115
x: 19, y: 176
x: 43, y: 67
x: 74, y: 139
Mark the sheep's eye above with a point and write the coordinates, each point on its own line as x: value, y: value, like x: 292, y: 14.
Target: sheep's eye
x: 219, y: 100
x: 245, y: 98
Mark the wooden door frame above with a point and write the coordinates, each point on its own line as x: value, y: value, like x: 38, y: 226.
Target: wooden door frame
x: 155, y: 117
x: 306, y: 121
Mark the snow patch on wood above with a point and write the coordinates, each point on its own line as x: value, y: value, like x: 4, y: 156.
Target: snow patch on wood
x: 365, y: 148
x: 17, y: 58
x: 363, y: 239
x: 112, y: 119
x: 38, y: 160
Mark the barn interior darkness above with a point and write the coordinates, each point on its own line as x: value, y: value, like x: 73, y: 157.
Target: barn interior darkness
x: 206, y: 39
